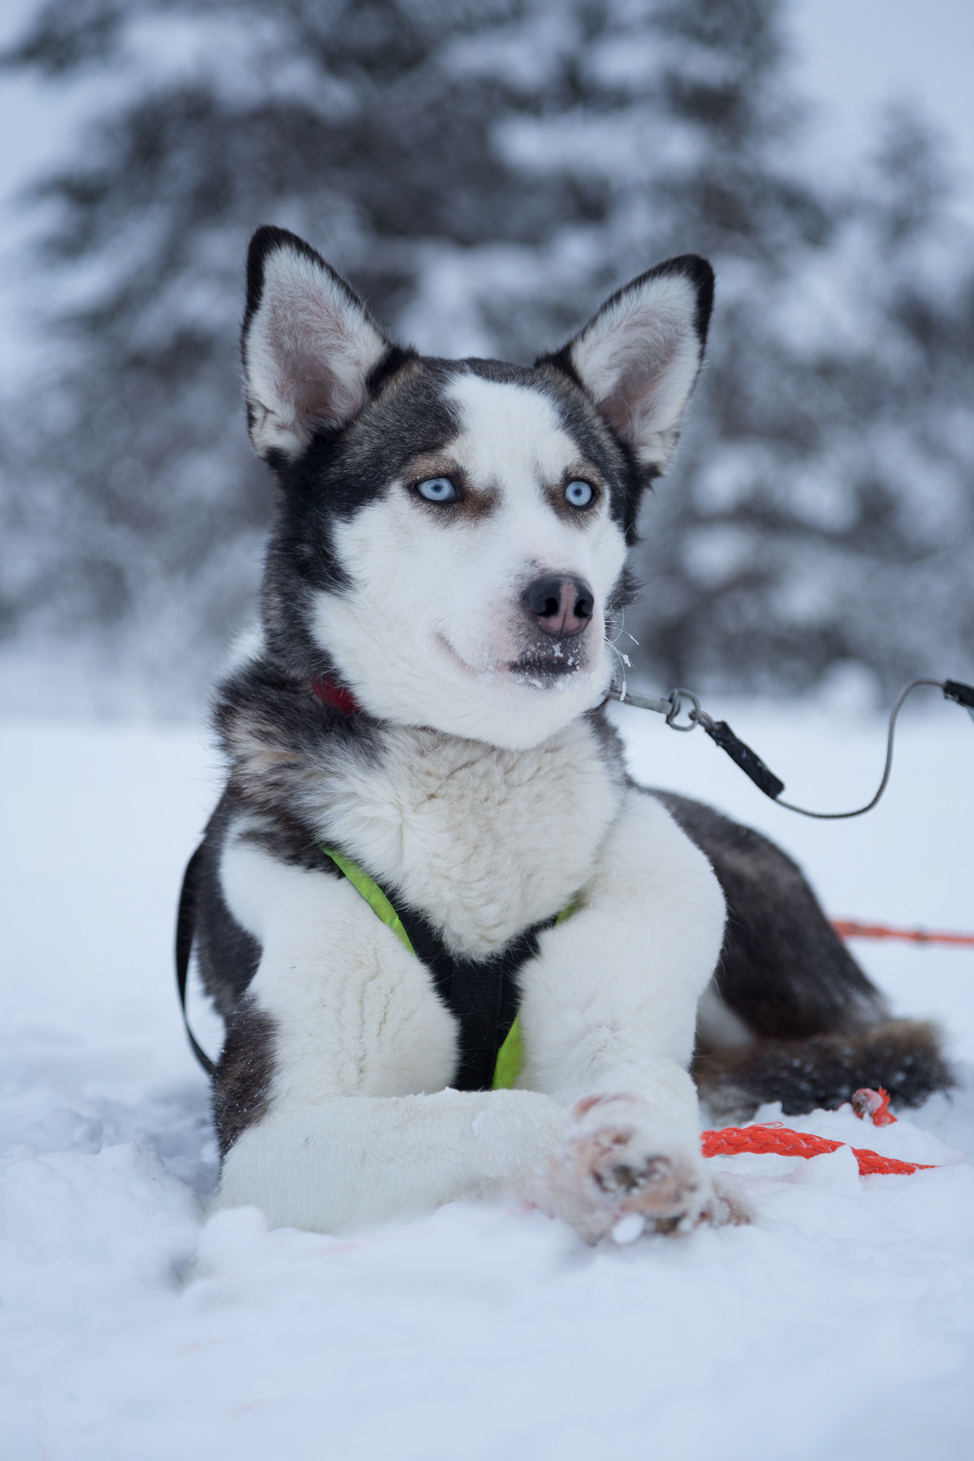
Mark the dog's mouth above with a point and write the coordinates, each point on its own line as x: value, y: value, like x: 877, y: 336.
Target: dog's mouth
x: 539, y: 667
x: 548, y: 667
x: 545, y: 660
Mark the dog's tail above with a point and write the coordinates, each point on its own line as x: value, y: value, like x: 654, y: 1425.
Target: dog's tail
x: 822, y: 1071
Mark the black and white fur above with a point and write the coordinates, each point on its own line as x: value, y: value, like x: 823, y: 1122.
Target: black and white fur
x: 480, y: 784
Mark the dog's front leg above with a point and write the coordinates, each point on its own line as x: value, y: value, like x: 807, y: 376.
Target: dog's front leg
x: 320, y: 1090
x: 608, y: 1014
x: 350, y: 1163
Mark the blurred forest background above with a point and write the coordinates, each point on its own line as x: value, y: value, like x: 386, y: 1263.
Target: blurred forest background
x: 484, y: 172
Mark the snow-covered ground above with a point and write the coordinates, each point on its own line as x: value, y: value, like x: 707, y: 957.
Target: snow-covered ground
x: 839, y: 1325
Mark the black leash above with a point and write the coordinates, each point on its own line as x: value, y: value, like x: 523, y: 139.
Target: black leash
x: 750, y: 762
x: 185, y: 928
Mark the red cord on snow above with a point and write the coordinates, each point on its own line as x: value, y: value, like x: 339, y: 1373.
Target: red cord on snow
x: 849, y: 928
x: 787, y: 1143
x: 782, y: 1141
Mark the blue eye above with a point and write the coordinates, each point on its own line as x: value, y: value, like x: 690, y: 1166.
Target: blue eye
x: 437, y: 489
x: 579, y: 494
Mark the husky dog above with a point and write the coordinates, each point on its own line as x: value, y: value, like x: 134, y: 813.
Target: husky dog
x: 428, y: 828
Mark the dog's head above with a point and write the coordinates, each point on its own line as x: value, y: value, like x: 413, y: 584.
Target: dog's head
x: 452, y: 534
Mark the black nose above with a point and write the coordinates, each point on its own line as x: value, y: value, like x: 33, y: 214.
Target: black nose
x: 561, y: 606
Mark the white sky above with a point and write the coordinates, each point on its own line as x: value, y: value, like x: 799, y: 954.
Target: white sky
x: 851, y: 56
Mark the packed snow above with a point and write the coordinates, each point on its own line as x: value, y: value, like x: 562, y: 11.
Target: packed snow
x: 839, y: 1324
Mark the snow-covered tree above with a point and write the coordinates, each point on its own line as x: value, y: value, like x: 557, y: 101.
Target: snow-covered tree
x: 484, y: 171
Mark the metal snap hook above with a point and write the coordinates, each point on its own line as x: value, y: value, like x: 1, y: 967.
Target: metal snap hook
x: 695, y: 716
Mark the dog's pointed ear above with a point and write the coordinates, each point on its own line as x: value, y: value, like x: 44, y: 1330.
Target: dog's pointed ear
x: 308, y: 345
x: 640, y: 356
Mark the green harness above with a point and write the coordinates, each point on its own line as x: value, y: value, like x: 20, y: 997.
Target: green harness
x: 510, y: 1057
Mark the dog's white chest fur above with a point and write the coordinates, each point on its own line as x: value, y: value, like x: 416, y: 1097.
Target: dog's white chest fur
x: 485, y: 841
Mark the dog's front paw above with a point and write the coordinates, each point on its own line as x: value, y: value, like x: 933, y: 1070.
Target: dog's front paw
x: 617, y: 1174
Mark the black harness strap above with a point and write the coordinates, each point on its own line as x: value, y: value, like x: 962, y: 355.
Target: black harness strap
x: 185, y: 929
x: 483, y: 995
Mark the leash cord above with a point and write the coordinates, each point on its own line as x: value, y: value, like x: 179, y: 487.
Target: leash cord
x: 750, y: 762
x: 185, y: 933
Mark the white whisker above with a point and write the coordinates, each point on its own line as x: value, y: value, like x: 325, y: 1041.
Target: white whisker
x: 624, y: 662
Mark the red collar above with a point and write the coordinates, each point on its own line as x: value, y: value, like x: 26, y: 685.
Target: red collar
x: 336, y: 696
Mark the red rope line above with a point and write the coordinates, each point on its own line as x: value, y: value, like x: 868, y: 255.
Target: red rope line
x: 849, y: 928
x: 784, y: 1142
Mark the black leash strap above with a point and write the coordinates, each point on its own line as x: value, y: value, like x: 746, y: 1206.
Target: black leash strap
x: 961, y: 694
x: 185, y: 929
x: 750, y: 762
